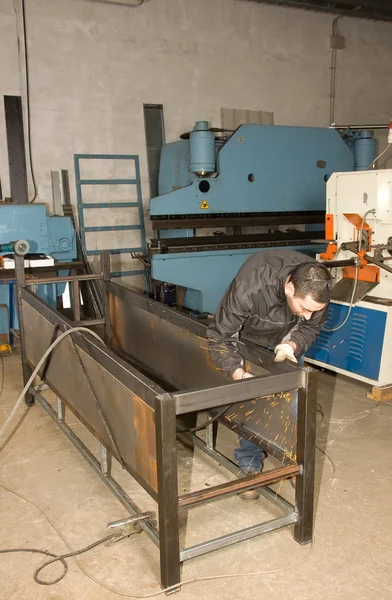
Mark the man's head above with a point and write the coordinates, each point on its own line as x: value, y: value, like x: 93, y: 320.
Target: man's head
x: 308, y: 289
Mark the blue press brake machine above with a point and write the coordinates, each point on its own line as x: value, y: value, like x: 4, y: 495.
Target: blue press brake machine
x: 48, y: 236
x: 264, y: 186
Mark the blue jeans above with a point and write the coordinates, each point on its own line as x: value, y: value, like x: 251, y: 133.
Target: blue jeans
x: 250, y: 457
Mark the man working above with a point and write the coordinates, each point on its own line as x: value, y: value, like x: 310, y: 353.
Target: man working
x: 278, y: 299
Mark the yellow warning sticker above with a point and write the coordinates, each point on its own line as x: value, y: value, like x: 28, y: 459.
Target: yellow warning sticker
x: 204, y: 204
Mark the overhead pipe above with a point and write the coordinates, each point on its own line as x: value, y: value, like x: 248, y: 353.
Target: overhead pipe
x: 341, y: 127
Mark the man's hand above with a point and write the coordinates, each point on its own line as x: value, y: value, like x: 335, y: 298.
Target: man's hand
x: 283, y: 351
x: 241, y: 374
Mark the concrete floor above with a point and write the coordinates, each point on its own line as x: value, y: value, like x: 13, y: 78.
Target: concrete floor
x: 351, y: 558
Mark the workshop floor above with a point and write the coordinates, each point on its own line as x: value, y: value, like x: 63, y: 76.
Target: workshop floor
x: 350, y: 560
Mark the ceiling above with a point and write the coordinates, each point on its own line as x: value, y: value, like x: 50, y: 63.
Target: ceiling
x: 369, y: 9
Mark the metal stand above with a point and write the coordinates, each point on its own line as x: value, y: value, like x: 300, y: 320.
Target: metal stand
x: 134, y: 418
x: 20, y: 282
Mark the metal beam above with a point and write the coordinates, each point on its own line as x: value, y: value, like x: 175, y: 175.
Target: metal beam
x: 16, y: 148
x: 370, y: 9
x: 240, y: 485
x: 245, y: 389
x: 237, y: 536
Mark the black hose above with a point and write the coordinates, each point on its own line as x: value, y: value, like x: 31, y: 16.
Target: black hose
x: 206, y: 423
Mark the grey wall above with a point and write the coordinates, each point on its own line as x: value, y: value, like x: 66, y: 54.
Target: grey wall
x: 93, y: 65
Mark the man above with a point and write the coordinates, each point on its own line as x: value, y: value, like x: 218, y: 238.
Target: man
x: 278, y: 299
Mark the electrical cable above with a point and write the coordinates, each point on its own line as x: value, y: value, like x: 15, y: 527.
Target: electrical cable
x: 372, y: 210
x: 37, y: 551
x: 37, y: 368
x: 55, y: 557
x: 330, y: 460
x: 373, y: 163
x: 319, y: 409
x: 153, y: 594
x: 28, y: 100
x: 206, y: 423
x: 358, y: 417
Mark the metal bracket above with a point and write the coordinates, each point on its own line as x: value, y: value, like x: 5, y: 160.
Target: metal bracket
x: 131, y: 524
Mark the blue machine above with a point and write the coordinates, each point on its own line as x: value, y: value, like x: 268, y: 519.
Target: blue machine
x: 363, y: 146
x: 48, y: 236
x: 223, y: 199
x: 357, y: 347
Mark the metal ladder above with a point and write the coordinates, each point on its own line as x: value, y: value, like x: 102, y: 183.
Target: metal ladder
x: 82, y: 206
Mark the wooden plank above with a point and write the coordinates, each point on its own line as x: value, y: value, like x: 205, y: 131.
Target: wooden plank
x: 381, y: 394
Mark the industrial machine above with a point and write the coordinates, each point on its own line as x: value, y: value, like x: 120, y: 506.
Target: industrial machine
x: 357, y: 338
x: 49, y: 240
x: 133, y: 395
x: 224, y: 197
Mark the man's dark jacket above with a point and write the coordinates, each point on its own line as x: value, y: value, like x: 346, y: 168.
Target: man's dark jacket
x: 254, y: 308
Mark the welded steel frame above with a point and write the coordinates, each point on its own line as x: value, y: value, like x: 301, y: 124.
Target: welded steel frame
x: 168, y: 406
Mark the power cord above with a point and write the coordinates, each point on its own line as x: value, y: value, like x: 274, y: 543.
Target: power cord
x: 371, y: 211
x: 373, y: 163
x: 38, y: 367
x: 358, y: 417
x: 206, y: 423
x: 59, y: 558
x: 153, y: 594
x: 330, y: 460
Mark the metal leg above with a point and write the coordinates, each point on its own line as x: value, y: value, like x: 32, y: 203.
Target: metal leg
x: 26, y: 369
x: 165, y: 422
x: 211, y: 435
x: 60, y: 410
x: 106, y: 461
x: 105, y: 267
x: 306, y: 446
x: 76, y: 300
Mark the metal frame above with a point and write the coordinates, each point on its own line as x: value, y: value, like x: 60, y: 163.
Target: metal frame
x: 167, y: 406
x: 13, y: 112
x: 82, y: 206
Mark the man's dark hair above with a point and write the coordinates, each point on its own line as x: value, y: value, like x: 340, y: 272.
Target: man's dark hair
x: 313, y: 279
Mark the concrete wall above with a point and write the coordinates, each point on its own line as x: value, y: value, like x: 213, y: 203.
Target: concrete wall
x: 92, y: 65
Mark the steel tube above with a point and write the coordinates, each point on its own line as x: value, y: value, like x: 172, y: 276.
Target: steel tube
x: 306, y: 450
x: 234, y: 487
x: 237, y: 536
x: 265, y: 491
x: 63, y: 278
x: 165, y: 424
x: 20, y: 282
x: 340, y: 127
x: 348, y: 262
x: 246, y: 389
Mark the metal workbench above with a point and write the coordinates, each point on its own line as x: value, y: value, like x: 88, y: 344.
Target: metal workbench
x: 155, y: 370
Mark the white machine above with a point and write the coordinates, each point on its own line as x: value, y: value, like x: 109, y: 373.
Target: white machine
x: 357, y: 338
